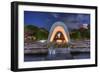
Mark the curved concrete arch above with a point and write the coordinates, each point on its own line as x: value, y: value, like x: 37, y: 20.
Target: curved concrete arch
x: 58, y: 26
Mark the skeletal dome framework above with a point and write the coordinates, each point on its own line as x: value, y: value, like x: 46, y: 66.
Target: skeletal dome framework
x: 59, y: 29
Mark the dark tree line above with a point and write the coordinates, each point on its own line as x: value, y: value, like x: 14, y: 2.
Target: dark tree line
x: 81, y: 33
x: 34, y: 33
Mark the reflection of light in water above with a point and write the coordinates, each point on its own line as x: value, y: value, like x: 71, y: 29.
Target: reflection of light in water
x: 52, y: 52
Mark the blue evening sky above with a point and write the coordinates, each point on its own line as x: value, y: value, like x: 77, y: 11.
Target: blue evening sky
x: 46, y: 19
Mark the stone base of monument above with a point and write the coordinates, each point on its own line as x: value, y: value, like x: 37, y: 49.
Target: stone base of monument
x: 59, y: 54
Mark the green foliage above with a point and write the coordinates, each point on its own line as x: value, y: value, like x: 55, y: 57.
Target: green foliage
x: 35, y: 32
x: 42, y: 34
x: 80, y: 33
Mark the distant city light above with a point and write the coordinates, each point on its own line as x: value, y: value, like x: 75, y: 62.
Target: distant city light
x: 42, y: 41
x: 85, y: 26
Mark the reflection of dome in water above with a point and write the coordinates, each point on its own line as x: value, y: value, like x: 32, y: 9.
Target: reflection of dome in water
x: 59, y: 33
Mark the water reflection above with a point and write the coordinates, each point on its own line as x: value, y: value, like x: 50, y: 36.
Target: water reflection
x: 57, y: 54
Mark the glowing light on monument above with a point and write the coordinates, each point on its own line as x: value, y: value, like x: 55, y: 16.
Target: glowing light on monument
x: 59, y: 33
x: 59, y: 29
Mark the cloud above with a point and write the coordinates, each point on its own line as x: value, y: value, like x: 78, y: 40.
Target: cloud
x: 55, y: 15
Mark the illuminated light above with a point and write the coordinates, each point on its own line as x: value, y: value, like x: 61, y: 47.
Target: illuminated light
x: 85, y: 26
x: 59, y: 41
x: 59, y: 27
x: 42, y: 41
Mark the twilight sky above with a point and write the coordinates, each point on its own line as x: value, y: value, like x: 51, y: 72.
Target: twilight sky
x: 47, y: 19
